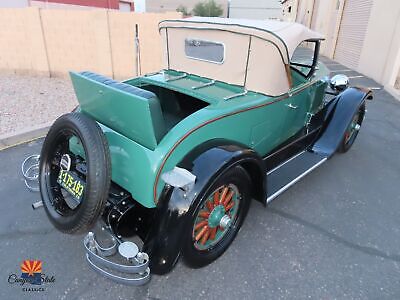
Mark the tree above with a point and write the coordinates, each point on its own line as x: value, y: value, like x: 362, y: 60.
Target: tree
x: 183, y: 9
x: 207, y: 8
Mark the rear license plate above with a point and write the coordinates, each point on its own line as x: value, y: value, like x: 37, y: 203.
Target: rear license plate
x: 71, y: 183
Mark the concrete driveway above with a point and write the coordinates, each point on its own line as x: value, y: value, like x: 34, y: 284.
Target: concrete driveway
x: 336, y: 234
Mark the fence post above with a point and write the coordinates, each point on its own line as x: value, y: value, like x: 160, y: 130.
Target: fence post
x: 44, y: 42
x: 109, y: 40
x: 137, y: 46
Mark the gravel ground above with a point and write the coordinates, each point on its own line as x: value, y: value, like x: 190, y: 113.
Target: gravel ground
x: 25, y: 101
x: 30, y: 101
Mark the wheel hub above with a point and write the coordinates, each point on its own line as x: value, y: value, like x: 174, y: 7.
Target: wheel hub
x: 215, y: 216
x: 225, y: 221
x: 353, y: 127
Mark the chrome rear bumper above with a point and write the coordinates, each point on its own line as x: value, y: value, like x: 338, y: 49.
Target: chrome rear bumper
x: 135, y: 271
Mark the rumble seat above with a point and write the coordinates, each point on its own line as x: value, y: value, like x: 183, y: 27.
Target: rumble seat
x: 129, y: 110
x: 119, y: 85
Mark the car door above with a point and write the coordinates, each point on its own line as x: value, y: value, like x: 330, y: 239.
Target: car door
x: 302, y: 101
x: 270, y: 126
x: 297, y: 107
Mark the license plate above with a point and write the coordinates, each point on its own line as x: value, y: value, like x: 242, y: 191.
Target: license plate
x: 71, y: 183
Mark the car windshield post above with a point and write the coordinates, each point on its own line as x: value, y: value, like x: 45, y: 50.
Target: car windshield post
x: 313, y: 66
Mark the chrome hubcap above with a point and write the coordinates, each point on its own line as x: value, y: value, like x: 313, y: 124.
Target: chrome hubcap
x: 225, y: 221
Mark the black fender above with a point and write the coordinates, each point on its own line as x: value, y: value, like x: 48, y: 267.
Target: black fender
x: 338, y: 118
x: 207, y: 162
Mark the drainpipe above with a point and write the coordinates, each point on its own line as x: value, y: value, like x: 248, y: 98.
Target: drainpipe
x: 312, y: 14
x: 228, y: 9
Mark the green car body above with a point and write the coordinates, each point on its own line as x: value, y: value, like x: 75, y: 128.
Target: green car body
x: 243, y: 110
x: 254, y: 120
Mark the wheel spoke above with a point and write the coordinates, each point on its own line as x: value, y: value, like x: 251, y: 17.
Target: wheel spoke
x: 205, y: 236
x: 216, y: 198
x: 200, y: 234
x: 223, y: 194
x: 201, y: 224
x: 213, y: 233
x: 210, y: 205
x: 230, y: 205
x: 220, y: 204
x: 204, y: 214
x: 228, y: 198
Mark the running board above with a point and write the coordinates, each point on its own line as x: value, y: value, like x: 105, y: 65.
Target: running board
x: 291, y: 171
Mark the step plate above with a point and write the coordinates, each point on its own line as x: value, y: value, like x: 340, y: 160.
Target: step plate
x: 291, y: 171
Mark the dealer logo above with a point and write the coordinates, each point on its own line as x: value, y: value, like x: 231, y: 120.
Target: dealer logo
x: 32, y: 279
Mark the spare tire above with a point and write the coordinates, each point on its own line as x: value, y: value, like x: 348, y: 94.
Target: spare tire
x: 74, y: 204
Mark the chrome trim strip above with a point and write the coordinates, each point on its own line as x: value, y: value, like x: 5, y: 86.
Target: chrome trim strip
x: 205, y: 84
x: 153, y: 73
x: 285, y: 162
x: 284, y: 188
x: 236, y: 95
x: 176, y: 77
x: 135, y: 281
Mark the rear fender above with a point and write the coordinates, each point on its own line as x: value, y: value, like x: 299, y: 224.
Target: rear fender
x: 338, y: 119
x: 207, y: 162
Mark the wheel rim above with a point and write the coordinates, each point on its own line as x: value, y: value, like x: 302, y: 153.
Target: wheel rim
x: 352, y: 129
x: 62, y: 202
x: 216, y: 217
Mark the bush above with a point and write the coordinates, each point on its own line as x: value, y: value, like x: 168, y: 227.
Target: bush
x: 207, y: 8
x: 183, y: 9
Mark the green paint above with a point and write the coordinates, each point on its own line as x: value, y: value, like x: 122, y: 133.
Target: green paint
x: 138, y: 144
x: 216, y: 215
x: 137, y: 118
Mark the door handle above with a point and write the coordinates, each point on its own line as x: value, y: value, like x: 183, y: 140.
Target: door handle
x: 290, y: 105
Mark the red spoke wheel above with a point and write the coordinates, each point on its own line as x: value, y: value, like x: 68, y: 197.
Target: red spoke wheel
x: 352, y: 130
x: 217, y: 217
x: 220, y: 207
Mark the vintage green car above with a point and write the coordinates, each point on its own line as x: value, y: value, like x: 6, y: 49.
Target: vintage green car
x: 242, y: 111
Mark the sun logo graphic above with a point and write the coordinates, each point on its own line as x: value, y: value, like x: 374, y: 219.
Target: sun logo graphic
x: 32, y: 271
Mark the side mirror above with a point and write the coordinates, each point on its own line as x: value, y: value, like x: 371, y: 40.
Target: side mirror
x: 339, y: 82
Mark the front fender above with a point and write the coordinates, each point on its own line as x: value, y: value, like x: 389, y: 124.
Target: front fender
x: 338, y: 119
x: 207, y: 162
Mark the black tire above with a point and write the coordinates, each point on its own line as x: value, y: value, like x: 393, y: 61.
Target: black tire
x: 97, y: 176
x: 347, y: 142
x: 196, y: 258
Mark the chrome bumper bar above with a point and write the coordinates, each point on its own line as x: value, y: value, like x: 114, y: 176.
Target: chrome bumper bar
x: 134, y: 272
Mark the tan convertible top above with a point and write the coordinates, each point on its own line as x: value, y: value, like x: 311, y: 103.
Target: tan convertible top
x: 250, y: 46
x: 286, y: 35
